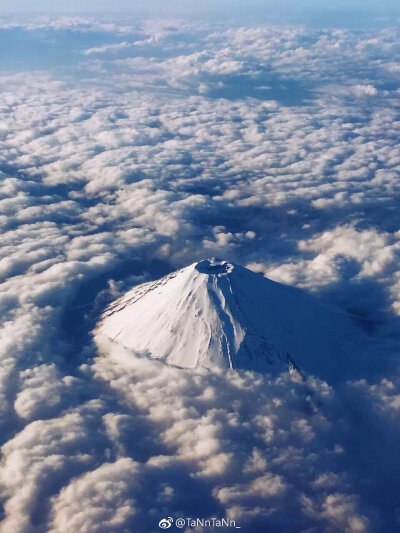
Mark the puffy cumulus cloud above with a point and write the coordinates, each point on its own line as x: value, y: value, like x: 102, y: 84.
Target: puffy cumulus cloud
x: 43, y: 391
x: 277, y: 147
x: 41, y: 458
x: 376, y: 254
x: 301, y: 53
x: 98, y: 501
x: 364, y: 90
x: 250, y: 439
x: 264, y: 451
x: 259, y: 450
x: 372, y: 250
x: 345, y: 258
x: 385, y: 393
x: 341, y: 511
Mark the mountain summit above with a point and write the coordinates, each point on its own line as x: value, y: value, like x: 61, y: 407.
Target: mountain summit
x: 217, y: 313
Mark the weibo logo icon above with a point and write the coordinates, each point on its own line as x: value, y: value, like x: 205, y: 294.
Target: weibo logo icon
x: 165, y: 523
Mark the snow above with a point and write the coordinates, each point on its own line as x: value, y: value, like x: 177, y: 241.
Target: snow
x: 216, y: 313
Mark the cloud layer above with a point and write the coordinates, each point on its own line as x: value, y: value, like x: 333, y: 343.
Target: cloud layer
x: 276, y: 147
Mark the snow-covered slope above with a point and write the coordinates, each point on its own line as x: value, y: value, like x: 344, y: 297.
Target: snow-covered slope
x: 215, y: 313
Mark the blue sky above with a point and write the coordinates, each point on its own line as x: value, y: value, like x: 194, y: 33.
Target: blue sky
x: 338, y: 13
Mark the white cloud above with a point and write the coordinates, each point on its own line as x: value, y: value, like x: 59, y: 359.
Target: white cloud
x: 364, y: 90
x: 141, y: 168
x: 98, y: 501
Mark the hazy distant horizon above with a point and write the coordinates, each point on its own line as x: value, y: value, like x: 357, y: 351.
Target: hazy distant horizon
x: 355, y: 13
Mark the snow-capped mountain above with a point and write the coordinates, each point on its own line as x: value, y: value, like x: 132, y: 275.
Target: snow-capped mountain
x: 216, y: 313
